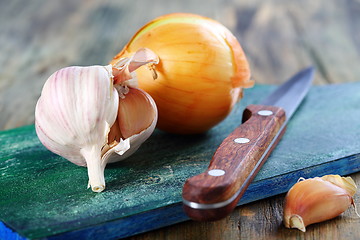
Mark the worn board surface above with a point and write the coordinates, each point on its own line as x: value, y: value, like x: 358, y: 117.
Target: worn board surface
x: 44, y: 195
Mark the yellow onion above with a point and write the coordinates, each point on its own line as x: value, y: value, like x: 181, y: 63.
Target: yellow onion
x: 201, y: 73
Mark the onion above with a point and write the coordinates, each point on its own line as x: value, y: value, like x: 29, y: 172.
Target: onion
x: 201, y: 73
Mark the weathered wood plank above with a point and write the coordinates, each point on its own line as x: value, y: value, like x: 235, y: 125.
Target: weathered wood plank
x: 259, y: 220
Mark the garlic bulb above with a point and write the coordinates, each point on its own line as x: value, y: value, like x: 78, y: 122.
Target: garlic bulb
x: 95, y: 115
x: 317, y: 199
x: 201, y: 73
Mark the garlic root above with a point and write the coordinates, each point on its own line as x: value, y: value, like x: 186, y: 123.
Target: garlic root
x: 317, y: 199
x: 95, y: 168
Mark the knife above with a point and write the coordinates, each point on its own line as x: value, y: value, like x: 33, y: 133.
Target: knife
x: 214, y: 194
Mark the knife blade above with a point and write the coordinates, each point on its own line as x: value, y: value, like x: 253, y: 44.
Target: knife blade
x: 214, y: 194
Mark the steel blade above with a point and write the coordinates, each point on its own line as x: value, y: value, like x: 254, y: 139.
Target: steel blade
x: 289, y: 95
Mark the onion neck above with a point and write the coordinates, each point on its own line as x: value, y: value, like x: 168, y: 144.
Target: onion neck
x: 95, y: 168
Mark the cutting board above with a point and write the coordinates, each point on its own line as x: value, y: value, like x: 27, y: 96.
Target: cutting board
x: 44, y: 196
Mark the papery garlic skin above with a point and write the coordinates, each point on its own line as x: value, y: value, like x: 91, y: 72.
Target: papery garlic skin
x: 76, y: 109
x: 74, y: 114
x: 201, y: 73
x: 315, y: 200
x: 77, y: 112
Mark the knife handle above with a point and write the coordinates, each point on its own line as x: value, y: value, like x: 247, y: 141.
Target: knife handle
x: 214, y: 193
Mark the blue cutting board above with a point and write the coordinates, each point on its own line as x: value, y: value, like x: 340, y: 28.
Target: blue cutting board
x: 45, y: 196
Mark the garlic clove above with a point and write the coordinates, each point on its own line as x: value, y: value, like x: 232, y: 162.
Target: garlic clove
x: 136, y: 112
x: 140, y: 106
x: 77, y: 110
x: 314, y: 200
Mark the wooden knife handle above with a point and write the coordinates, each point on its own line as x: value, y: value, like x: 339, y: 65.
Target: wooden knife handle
x: 214, y: 193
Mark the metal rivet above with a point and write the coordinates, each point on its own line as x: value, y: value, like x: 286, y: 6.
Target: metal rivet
x: 241, y: 140
x: 216, y: 172
x: 265, y: 112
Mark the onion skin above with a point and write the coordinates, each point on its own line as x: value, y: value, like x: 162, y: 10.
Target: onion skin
x: 201, y: 73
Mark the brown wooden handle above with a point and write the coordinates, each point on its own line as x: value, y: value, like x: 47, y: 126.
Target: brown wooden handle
x: 214, y: 193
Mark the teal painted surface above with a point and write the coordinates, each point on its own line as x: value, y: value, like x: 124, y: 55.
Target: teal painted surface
x: 43, y: 194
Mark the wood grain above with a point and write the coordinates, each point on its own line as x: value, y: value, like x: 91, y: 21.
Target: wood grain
x: 279, y: 37
x: 239, y: 161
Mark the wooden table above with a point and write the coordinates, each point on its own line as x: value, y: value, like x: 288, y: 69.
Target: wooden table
x: 280, y: 37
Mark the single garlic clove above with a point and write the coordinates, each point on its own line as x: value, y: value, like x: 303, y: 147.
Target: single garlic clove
x: 77, y: 110
x: 314, y: 200
x: 136, y: 112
